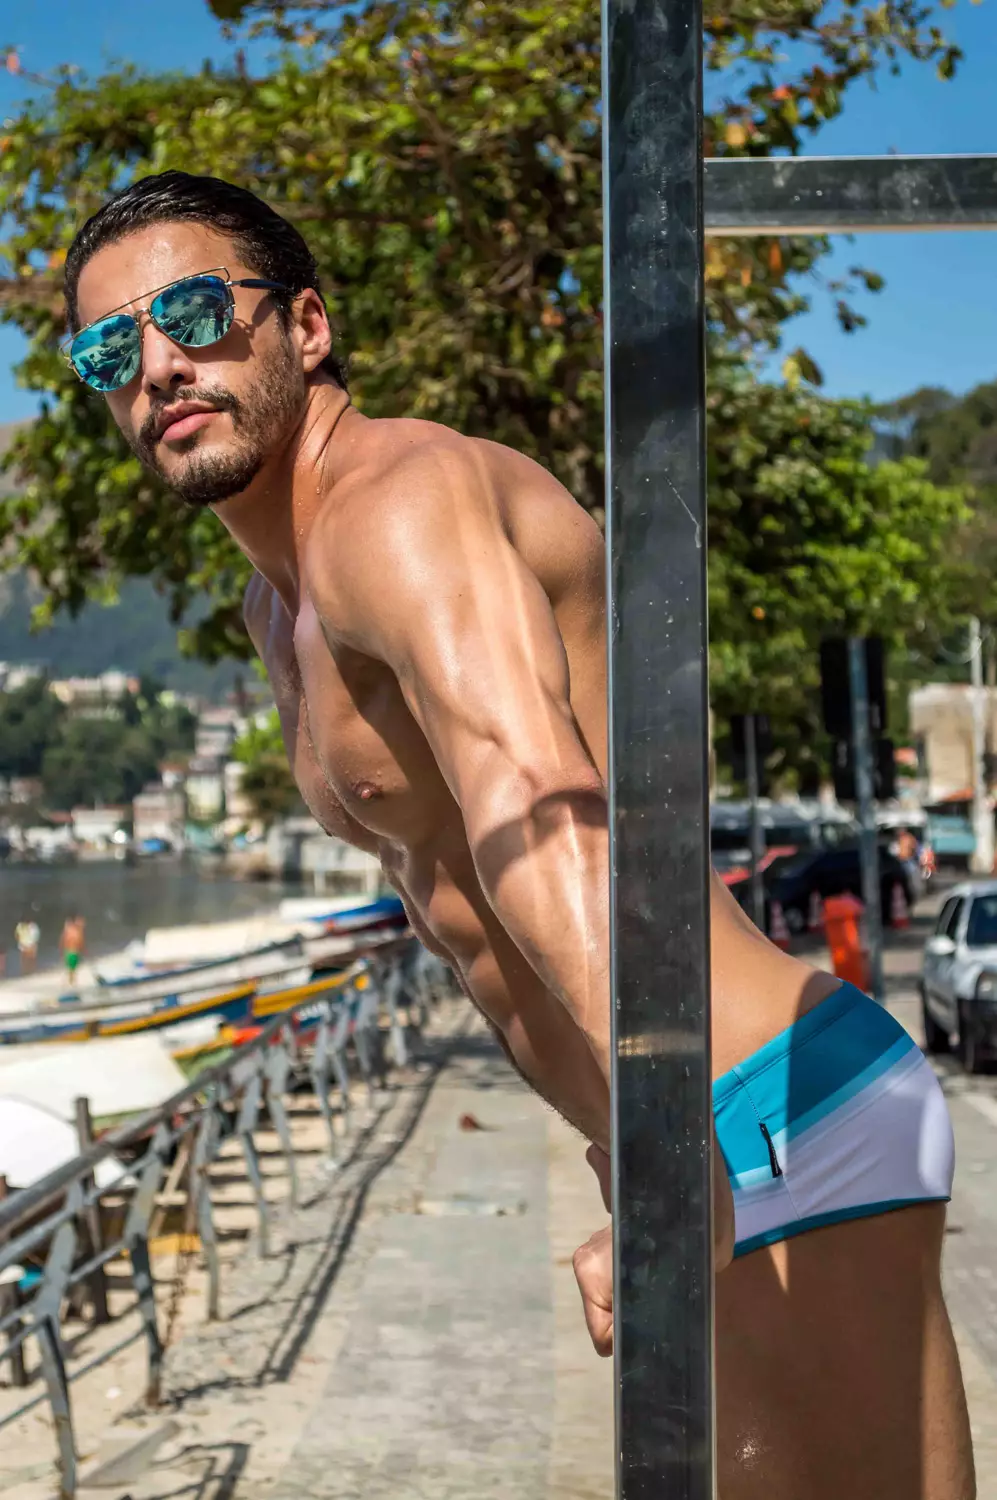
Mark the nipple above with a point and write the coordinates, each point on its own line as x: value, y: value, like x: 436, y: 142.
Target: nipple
x: 366, y: 790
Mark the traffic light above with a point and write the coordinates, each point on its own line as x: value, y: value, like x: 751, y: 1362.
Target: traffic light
x: 836, y: 688
x: 875, y: 676
x: 884, y: 774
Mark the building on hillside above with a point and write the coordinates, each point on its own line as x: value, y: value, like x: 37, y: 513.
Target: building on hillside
x: 96, y: 826
x: 159, y: 812
x: 95, y: 697
x: 941, y: 717
x: 205, y: 788
x: 47, y: 840
x: 237, y: 804
x: 14, y: 675
x: 172, y: 774
x: 20, y: 791
x: 217, y: 731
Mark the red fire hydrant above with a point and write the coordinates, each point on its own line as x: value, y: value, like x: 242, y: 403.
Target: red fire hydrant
x: 843, y: 918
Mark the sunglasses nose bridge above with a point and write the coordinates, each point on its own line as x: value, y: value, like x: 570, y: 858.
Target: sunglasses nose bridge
x: 163, y: 361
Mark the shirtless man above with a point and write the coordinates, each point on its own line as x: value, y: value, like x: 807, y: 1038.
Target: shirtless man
x: 430, y: 611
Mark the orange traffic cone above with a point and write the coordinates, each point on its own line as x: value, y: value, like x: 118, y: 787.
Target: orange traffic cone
x: 899, y: 913
x: 778, y: 931
x: 815, y: 917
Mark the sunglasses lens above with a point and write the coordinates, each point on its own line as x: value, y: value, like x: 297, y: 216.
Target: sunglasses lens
x: 194, y: 312
x: 107, y: 354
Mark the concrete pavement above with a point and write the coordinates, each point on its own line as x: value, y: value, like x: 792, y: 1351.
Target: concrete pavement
x: 419, y: 1333
x: 970, y: 1259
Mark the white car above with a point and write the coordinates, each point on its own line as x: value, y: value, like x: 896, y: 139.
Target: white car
x: 959, y: 975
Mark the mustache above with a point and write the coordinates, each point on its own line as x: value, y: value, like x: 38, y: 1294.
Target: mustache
x: 216, y: 396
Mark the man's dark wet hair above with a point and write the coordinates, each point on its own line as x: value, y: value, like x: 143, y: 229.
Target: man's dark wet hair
x: 266, y: 243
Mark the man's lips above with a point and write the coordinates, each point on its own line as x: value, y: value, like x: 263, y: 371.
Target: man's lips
x: 184, y: 426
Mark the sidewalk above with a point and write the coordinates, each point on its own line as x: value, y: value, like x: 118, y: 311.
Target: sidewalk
x: 417, y: 1333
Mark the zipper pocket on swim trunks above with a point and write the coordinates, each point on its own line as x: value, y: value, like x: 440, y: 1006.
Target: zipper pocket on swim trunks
x: 773, y: 1159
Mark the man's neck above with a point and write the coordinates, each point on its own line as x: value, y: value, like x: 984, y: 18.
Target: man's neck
x: 270, y: 521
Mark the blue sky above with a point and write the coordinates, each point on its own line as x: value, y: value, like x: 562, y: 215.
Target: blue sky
x: 934, y: 324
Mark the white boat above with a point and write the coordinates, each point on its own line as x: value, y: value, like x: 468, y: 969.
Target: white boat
x: 34, y: 1141
x: 130, y: 987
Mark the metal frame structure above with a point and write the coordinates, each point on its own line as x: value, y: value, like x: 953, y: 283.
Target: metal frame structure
x: 660, y: 204
x: 659, y: 822
x: 849, y: 194
x: 48, y: 1221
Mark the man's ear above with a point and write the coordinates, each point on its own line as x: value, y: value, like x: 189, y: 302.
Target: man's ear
x: 314, y: 336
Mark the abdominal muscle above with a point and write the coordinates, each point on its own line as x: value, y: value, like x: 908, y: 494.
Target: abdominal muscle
x: 453, y: 919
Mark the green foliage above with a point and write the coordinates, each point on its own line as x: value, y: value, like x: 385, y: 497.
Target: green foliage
x: 30, y: 719
x: 84, y: 759
x: 96, y: 761
x: 444, y: 161
x: 956, y: 438
x: 269, y: 788
x: 267, y: 782
x: 808, y: 540
x: 262, y: 737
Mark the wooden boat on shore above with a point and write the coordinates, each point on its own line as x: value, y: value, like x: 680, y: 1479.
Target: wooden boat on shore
x: 317, y: 943
x: 243, y: 1008
x: 235, y: 990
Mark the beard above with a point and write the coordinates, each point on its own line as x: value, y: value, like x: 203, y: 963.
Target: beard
x: 261, y: 419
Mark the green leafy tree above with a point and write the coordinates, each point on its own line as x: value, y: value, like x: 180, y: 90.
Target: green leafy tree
x: 807, y: 539
x: 30, y: 719
x: 262, y: 737
x: 85, y: 759
x: 97, y: 761
x: 267, y: 782
x: 956, y: 437
x: 443, y: 159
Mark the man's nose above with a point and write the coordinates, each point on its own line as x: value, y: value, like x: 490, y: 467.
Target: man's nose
x: 164, y: 363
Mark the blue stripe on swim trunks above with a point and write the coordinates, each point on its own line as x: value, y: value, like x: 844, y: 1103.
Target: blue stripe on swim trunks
x: 838, y: 1117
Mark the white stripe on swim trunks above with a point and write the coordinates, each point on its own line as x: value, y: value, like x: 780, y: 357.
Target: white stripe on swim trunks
x: 984, y: 1105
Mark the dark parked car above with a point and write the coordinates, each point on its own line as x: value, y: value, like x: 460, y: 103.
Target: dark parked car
x: 830, y: 872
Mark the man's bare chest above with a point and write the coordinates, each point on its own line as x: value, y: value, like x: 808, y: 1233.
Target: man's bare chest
x: 359, y: 747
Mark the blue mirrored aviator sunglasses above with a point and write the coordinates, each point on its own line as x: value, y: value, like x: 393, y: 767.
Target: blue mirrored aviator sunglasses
x: 195, y: 312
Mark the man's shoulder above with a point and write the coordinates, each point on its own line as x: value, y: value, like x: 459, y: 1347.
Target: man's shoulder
x: 407, y: 460
x: 414, y: 479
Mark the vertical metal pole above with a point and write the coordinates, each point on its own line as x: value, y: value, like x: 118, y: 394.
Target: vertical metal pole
x: 869, y: 849
x: 982, y: 861
x: 98, y: 1281
x: 8, y: 1300
x: 755, y: 825
x: 658, y: 743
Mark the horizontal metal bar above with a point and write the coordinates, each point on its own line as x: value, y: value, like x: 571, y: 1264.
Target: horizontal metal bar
x: 95, y: 1262
x: 22, y: 1411
x: 849, y: 194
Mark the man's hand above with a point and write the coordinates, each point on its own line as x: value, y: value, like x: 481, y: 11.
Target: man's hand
x: 593, y: 1264
x: 593, y: 1261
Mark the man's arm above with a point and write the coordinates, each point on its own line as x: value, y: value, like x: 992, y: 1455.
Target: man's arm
x: 432, y: 586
